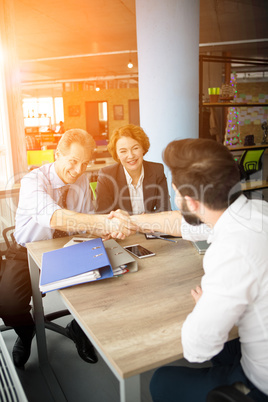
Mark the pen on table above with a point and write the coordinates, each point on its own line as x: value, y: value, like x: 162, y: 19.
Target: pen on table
x: 164, y: 238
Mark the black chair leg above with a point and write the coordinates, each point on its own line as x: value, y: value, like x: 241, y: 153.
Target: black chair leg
x: 52, y: 325
x: 48, y: 322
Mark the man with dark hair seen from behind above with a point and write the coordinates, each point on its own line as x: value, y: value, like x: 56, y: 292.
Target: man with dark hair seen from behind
x: 234, y: 288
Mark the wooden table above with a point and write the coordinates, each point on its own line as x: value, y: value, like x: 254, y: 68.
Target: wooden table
x: 7, y: 192
x: 134, y: 321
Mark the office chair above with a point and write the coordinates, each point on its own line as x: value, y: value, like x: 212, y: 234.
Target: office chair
x: 5, y: 236
x: 39, y: 157
x: 251, y: 162
x: 227, y: 393
x: 8, y: 235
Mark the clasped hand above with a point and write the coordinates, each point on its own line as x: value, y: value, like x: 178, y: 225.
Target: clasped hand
x: 120, y: 224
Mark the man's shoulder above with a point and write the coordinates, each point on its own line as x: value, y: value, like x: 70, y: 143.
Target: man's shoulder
x: 250, y: 210
x: 39, y: 172
x: 247, y: 226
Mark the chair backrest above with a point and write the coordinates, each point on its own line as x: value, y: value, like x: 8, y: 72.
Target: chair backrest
x: 40, y: 157
x: 251, y: 161
x: 93, y: 185
x: 9, y: 232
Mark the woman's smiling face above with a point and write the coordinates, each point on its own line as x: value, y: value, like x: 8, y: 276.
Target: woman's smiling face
x: 130, y: 154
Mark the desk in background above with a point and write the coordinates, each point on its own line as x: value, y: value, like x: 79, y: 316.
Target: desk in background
x: 7, y: 192
x: 254, y: 185
x: 133, y: 321
x: 247, y: 147
x: 94, y: 167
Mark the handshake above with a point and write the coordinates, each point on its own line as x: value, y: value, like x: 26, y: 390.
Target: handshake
x: 119, y: 224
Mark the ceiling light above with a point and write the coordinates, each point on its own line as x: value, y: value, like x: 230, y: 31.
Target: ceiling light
x: 130, y: 64
x: 97, y: 89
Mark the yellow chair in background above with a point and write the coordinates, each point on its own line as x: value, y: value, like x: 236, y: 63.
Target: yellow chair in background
x: 40, y: 157
x: 251, y: 162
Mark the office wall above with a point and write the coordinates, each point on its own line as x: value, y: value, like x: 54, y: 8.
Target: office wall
x: 251, y: 118
x: 112, y: 96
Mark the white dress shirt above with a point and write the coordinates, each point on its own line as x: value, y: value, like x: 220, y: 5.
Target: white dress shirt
x: 39, y: 195
x: 235, y: 291
x: 136, y: 193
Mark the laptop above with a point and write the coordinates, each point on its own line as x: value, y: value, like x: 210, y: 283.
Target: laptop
x: 201, y: 246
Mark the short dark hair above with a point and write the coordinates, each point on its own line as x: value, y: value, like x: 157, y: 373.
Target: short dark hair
x: 205, y: 170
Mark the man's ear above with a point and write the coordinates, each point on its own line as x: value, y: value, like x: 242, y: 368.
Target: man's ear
x: 57, y: 154
x: 192, y: 204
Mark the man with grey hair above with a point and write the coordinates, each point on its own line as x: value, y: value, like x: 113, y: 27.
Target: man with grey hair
x: 54, y: 201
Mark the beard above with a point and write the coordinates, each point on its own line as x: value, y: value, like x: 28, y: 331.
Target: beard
x: 189, y: 217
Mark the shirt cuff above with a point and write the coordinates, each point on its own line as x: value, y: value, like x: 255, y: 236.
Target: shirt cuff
x: 194, y: 233
x: 44, y: 217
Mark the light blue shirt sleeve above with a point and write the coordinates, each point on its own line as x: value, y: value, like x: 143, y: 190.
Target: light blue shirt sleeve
x: 39, y: 196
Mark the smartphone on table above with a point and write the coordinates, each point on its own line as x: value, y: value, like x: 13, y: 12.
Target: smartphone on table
x: 139, y: 251
x: 157, y: 235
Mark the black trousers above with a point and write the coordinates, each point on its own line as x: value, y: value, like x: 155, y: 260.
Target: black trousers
x: 15, y: 288
x: 185, y: 384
